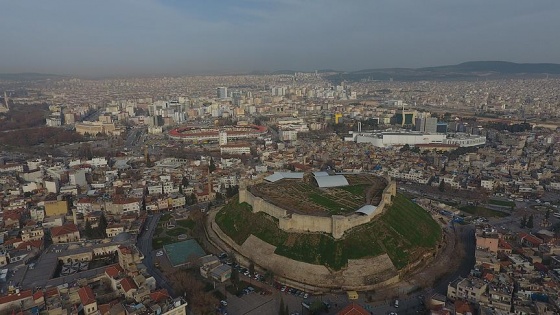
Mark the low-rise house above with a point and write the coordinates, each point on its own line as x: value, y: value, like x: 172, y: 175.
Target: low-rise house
x: 87, y: 300
x: 65, y: 234
x: 470, y: 289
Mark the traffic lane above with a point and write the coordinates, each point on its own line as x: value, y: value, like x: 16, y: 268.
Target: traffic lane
x: 145, y: 246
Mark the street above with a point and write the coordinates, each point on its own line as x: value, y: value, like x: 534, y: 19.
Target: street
x: 144, y: 244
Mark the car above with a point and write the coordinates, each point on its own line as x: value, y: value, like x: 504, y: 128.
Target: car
x: 305, y: 296
x: 246, y: 273
x: 283, y: 289
x: 223, y: 302
x: 159, y: 253
x: 392, y: 313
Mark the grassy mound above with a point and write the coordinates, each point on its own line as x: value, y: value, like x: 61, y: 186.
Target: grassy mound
x: 404, y: 232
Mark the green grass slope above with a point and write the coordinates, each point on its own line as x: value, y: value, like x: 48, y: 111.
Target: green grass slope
x: 404, y: 232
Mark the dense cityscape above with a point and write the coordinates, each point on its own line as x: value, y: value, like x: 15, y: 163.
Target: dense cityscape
x: 116, y: 194
x: 164, y: 157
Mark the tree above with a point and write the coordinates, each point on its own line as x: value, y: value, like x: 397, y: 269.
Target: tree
x: 185, y: 181
x: 442, y: 186
x: 88, y: 229
x: 317, y: 307
x: 281, y: 308
x: 251, y: 268
x: 524, y: 221
x: 530, y: 222
x: 547, y: 214
x: 269, y: 276
x: 234, y: 278
x: 102, y: 226
x: 212, y: 166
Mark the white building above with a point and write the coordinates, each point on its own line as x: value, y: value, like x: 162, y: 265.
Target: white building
x: 288, y: 134
x: 236, y: 149
x: 487, y: 184
x: 387, y: 139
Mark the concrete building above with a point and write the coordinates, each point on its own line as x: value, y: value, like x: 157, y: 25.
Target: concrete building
x: 222, y: 92
x: 56, y: 207
x: 65, y: 234
x: 470, y: 289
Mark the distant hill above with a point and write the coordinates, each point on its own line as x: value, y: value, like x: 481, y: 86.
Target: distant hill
x: 28, y: 76
x: 463, y: 71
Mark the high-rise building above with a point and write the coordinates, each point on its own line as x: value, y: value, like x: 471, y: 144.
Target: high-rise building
x: 426, y: 124
x: 221, y: 92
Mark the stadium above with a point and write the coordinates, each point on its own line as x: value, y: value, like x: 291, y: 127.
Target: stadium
x: 212, y: 134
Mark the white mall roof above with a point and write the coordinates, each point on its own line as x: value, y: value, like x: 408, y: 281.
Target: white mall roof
x: 331, y: 181
x: 318, y: 174
x: 367, y: 210
x: 281, y: 175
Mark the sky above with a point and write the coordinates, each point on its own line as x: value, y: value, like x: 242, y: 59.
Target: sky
x: 176, y: 37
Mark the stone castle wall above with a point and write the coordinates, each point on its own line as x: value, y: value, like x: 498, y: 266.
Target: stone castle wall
x: 335, y: 225
x: 360, y: 274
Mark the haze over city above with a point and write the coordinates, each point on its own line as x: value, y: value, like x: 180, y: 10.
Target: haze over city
x: 290, y: 157
x: 108, y: 38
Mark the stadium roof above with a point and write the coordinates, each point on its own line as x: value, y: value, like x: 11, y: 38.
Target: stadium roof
x: 367, y: 210
x: 281, y: 175
x: 331, y: 181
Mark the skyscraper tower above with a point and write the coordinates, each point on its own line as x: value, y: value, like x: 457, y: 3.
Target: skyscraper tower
x: 222, y: 92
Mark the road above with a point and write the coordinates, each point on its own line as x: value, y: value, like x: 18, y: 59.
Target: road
x: 144, y: 244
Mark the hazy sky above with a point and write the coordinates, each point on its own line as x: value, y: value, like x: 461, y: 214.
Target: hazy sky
x: 124, y: 37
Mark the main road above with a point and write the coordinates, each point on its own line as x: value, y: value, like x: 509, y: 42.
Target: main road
x: 144, y: 244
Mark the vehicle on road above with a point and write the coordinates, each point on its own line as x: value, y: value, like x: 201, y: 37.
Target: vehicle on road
x: 223, y: 302
x: 159, y: 253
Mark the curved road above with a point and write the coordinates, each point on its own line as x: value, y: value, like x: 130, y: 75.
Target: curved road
x: 144, y: 244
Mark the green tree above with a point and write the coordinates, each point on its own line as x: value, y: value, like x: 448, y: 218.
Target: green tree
x: 212, y: 166
x: 102, y: 226
x: 88, y: 229
x: 530, y: 222
x: 281, y: 308
x: 405, y: 148
x: 185, y: 181
x: 524, y: 221
x: 441, y: 186
x: 547, y: 214
x: 317, y: 307
x: 251, y: 268
x: 234, y: 278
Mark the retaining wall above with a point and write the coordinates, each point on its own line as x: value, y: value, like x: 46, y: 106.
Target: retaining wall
x: 360, y: 274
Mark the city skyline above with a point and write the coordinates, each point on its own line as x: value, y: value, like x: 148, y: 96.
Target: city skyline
x: 176, y: 38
